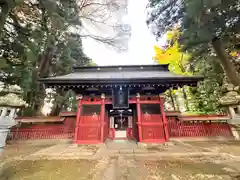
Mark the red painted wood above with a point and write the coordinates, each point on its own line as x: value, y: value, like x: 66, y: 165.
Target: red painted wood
x: 139, y: 120
x: 132, y: 101
x: 111, y: 134
x: 102, y: 119
x: 96, y: 100
x: 152, y: 119
x: 130, y: 133
x: 106, y: 126
x: 90, y: 125
x: 152, y: 127
x: 79, y: 109
x: 44, y: 131
x: 199, y: 129
x: 144, y: 100
x: 164, y: 118
x: 90, y: 133
x: 90, y: 128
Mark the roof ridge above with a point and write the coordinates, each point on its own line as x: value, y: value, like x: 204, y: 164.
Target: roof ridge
x: 162, y: 67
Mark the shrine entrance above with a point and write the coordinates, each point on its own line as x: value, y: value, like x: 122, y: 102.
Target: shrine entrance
x: 143, y: 121
x: 121, y: 124
x: 120, y: 102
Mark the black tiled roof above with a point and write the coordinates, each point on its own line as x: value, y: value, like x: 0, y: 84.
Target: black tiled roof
x: 120, y: 74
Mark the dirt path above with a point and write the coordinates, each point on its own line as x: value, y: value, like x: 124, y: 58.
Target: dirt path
x: 119, y: 162
x: 131, y: 168
x: 121, y: 168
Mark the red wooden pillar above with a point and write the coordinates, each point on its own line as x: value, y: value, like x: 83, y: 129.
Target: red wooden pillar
x: 102, y: 116
x: 79, y: 109
x: 139, y: 118
x: 161, y: 100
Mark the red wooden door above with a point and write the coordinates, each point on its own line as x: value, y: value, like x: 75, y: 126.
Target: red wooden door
x: 90, y: 124
x: 152, y: 123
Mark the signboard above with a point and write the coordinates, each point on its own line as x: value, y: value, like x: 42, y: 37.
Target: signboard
x: 120, y: 97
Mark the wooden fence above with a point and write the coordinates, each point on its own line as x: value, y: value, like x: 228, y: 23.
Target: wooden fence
x: 197, y: 126
x: 193, y: 127
x: 60, y: 130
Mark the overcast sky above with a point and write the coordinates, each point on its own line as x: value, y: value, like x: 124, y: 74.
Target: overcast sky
x: 140, y: 45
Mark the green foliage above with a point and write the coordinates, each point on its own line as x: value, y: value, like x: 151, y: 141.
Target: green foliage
x: 200, y: 22
x: 208, y: 92
x: 36, y: 42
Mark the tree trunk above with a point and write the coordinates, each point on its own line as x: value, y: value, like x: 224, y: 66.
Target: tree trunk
x: 228, y: 66
x: 185, y: 98
x: 37, y: 95
x: 172, y: 99
x: 6, y: 8
x: 60, y: 101
x: 176, y: 101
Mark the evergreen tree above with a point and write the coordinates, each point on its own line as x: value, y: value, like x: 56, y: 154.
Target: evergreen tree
x: 36, y: 42
x: 209, y: 27
x: 209, y: 33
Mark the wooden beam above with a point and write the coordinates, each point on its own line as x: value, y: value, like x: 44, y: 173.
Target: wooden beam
x: 102, y: 116
x: 139, y: 118
x: 79, y: 109
x: 161, y: 101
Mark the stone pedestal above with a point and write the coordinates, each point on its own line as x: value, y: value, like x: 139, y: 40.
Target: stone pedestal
x: 6, y: 122
x: 3, y: 137
x: 236, y: 131
x: 9, y: 103
x: 234, y: 111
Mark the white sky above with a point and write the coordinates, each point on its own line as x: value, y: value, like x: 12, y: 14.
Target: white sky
x: 141, y: 42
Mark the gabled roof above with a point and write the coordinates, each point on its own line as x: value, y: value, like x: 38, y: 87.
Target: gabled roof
x: 121, y: 74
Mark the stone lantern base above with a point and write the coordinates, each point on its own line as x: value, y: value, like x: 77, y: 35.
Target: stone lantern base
x: 3, y: 137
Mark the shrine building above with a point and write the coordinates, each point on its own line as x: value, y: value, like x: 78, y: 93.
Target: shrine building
x: 120, y: 102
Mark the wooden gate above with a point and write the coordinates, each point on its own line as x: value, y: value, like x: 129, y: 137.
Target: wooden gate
x: 151, y: 119
x: 89, y: 126
x: 152, y: 123
x: 152, y: 128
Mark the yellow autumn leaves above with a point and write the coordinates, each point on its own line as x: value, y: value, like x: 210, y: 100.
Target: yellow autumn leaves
x: 234, y: 53
x: 172, y: 55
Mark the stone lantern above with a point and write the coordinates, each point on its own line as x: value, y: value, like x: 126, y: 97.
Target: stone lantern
x: 10, y: 102
x: 231, y: 100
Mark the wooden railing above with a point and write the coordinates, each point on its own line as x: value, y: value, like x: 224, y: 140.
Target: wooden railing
x: 41, y: 133
x: 199, y: 126
x: 178, y: 126
x: 47, y: 130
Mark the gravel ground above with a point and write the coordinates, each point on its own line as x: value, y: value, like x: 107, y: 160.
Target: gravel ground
x: 123, y: 166
x: 11, y: 151
x: 231, y: 147
x: 120, y: 168
x: 46, y: 169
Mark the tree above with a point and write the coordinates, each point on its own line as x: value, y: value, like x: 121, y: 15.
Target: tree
x: 44, y: 38
x: 36, y: 42
x: 172, y: 54
x: 208, y: 28
x: 203, y: 99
